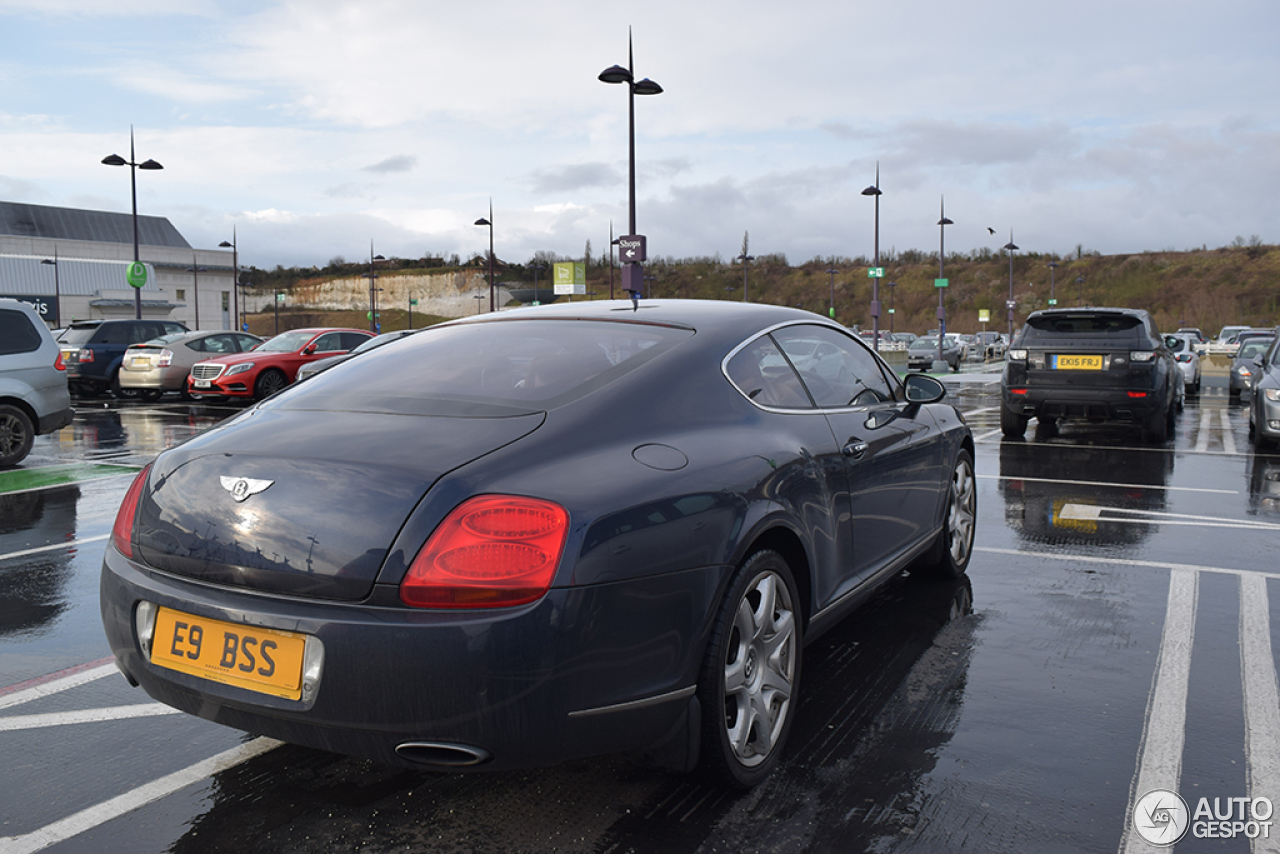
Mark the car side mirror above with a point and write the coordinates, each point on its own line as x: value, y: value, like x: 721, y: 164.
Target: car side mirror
x: 1257, y: 361
x: 922, y: 388
x: 309, y: 349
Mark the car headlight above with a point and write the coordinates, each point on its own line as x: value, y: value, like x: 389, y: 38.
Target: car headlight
x: 1272, y: 394
x: 240, y: 368
x: 1017, y: 355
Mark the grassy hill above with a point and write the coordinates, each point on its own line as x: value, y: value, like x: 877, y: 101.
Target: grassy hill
x: 1206, y: 288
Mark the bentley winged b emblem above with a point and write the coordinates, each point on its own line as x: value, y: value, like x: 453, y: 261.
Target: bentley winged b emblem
x: 242, y: 487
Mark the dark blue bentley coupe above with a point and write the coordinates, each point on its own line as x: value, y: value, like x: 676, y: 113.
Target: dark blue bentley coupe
x: 538, y: 535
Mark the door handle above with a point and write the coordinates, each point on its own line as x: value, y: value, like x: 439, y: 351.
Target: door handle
x: 855, y: 450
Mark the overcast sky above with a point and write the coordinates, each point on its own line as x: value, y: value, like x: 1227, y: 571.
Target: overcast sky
x: 316, y: 126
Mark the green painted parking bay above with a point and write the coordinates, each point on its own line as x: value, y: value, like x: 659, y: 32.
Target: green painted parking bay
x: 20, y: 480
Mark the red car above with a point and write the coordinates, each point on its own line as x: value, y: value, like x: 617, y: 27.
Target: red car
x: 272, y: 365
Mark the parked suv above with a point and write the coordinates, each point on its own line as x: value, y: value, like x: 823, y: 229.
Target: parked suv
x: 33, y: 382
x: 94, y: 349
x: 1092, y: 364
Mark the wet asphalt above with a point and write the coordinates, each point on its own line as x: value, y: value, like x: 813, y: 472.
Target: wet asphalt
x: 1116, y: 634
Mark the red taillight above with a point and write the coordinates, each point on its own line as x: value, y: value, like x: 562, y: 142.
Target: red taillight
x: 1017, y: 391
x: 1137, y: 394
x: 58, y: 364
x: 492, y: 551
x: 166, y: 358
x: 122, y: 531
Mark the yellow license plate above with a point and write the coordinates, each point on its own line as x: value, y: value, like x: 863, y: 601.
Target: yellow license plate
x: 140, y: 362
x: 1077, y: 363
x: 249, y: 657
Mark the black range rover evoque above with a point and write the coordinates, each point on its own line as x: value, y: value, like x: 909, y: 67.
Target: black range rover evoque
x: 1090, y: 364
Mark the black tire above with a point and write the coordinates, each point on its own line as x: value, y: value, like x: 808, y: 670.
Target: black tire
x: 949, y: 555
x: 1157, y: 427
x: 122, y: 392
x: 1195, y: 389
x: 150, y: 394
x: 751, y: 673
x: 269, y: 382
x: 16, y: 435
x: 1012, y: 425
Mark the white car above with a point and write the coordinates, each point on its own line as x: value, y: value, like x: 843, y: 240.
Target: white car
x: 1184, y: 346
x: 1225, y: 344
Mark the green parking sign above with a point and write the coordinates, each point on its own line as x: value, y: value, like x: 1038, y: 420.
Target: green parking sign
x: 136, y: 274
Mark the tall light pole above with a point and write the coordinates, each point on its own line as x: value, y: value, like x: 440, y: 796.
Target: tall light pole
x: 149, y: 165
x: 632, y: 272
x: 1053, y: 291
x: 1010, y: 247
x: 745, y: 259
x: 943, y: 222
x: 1079, y: 290
x: 874, y: 190
x: 57, y: 290
x: 373, y: 299
x: 832, y: 310
x: 489, y: 222
x: 893, y: 305
x: 235, y: 279
x: 194, y: 270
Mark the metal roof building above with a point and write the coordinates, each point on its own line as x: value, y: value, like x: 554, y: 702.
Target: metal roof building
x: 70, y: 264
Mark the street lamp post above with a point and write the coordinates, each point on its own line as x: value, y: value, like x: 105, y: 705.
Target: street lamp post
x: 1010, y: 247
x: 149, y: 165
x: 874, y: 190
x: 943, y: 222
x: 632, y: 272
x: 194, y: 270
x: 1079, y: 290
x: 235, y: 279
x: 892, y: 305
x: 745, y: 259
x: 489, y: 222
x: 373, y: 298
x: 57, y: 290
x: 1053, y: 290
x: 832, y: 310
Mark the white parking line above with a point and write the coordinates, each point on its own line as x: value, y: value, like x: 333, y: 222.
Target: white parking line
x: 1160, y: 751
x: 33, y: 689
x: 1261, y: 697
x: 85, y: 716
x: 1160, y: 487
x: 89, y: 818
x: 1101, y: 513
x: 53, y: 547
x: 1228, y: 437
x: 1202, y: 435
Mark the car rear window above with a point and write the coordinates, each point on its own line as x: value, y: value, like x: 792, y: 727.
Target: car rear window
x: 1059, y: 327
x: 78, y: 336
x: 17, y: 334
x: 486, y: 368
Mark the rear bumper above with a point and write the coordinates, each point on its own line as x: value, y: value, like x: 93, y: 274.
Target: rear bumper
x: 55, y: 421
x: 583, y: 671
x: 1097, y: 405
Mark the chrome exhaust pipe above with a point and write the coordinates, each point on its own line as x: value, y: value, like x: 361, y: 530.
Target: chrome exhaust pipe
x: 440, y: 754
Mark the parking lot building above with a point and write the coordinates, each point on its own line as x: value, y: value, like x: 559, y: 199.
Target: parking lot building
x: 70, y: 264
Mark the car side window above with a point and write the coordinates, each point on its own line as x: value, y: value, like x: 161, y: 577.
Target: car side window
x: 764, y: 375
x: 836, y: 370
x: 351, y: 340
x: 219, y: 344
x: 246, y: 343
x: 330, y: 342
x: 17, y: 335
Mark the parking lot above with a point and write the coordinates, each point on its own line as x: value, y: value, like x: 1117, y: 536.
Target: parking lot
x: 1115, y: 635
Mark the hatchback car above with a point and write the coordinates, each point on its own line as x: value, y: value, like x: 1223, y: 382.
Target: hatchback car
x: 272, y: 366
x: 1185, y: 349
x: 586, y: 529
x: 93, y: 351
x: 1243, y: 369
x: 1090, y: 364
x: 923, y: 352
x: 33, y: 382
x: 1264, y: 406
x: 162, y: 364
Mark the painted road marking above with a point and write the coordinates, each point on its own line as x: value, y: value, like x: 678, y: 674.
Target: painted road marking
x: 1160, y: 750
x: 43, y: 686
x: 1160, y: 487
x: 1261, y: 697
x: 53, y: 547
x: 85, y: 716
x: 1100, y: 513
x: 47, y: 477
x: 89, y: 818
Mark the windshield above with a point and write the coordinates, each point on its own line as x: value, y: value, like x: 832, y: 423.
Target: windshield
x: 77, y: 336
x: 925, y: 344
x: 1253, y: 347
x: 162, y: 340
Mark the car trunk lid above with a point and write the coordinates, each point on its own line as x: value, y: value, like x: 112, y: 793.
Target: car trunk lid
x: 283, y: 502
